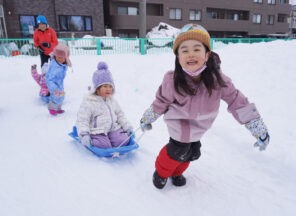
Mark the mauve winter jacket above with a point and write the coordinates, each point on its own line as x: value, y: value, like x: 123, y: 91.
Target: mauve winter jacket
x: 97, y: 115
x: 189, y: 117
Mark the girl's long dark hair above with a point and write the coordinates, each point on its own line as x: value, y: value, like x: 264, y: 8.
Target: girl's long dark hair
x: 207, y: 76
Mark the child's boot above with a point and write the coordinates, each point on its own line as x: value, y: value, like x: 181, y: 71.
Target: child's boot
x: 53, y: 112
x: 179, y: 180
x: 60, y: 111
x: 158, y: 181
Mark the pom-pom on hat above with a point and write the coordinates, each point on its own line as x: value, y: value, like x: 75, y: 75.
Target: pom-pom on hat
x: 101, y: 76
x: 62, y: 50
x: 192, y: 32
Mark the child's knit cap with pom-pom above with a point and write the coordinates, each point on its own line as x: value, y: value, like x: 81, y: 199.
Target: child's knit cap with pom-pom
x: 102, y: 76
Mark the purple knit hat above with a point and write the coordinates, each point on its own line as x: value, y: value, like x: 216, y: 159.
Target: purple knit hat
x: 102, y: 76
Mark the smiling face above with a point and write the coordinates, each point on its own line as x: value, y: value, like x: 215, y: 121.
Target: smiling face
x: 192, y: 55
x: 60, y: 60
x: 104, y: 90
x: 42, y: 26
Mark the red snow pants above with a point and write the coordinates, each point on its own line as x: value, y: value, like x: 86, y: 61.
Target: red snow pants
x: 166, y: 166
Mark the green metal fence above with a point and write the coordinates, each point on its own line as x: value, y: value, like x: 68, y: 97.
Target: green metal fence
x: 109, y: 46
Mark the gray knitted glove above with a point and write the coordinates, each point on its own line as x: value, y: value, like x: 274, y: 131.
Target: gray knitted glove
x: 148, y: 117
x: 86, y: 140
x: 259, y: 130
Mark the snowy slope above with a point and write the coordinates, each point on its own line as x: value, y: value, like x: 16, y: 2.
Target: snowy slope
x: 43, y: 172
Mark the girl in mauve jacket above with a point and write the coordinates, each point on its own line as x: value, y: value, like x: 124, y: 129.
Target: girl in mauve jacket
x: 189, y: 97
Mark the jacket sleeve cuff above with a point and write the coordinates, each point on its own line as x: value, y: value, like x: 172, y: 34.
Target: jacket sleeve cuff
x: 247, y: 113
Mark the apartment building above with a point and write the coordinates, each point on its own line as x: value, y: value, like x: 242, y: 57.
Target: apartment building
x: 67, y: 17
x: 231, y: 18
x: 228, y: 18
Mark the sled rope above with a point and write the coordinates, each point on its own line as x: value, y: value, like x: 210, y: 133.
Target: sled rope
x: 131, y: 136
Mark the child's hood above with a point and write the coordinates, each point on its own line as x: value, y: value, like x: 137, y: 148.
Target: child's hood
x: 93, y: 97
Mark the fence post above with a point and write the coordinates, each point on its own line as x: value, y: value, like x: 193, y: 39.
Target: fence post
x: 99, y: 52
x: 142, y: 46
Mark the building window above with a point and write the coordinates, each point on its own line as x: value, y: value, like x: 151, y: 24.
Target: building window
x: 176, y: 13
x: 132, y: 11
x: 271, y: 2
x: 154, y: 9
x: 257, y: 18
x: 232, y: 16
x: 218, y: 13
x: 27, y: 25
x: 75, y: 23
x: 212, y: 15
x: 258, y: 1
x: 283, y: 1
x: 194, y: 15
x: 282, y: 18
x: 270, y: 20
x: 88, y: 23
x: 122, y: 10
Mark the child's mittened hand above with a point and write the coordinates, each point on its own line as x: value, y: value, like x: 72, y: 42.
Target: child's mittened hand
x: 262, y: 142
x: 86, y: 140
x: 45, y: 44
x: 149, y: 117
x: 260, y: 132
x: 145, y: 126
x: 34, y: 66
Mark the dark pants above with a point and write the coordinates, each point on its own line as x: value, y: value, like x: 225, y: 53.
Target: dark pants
x: 175, y: 157
x: 44, y: 58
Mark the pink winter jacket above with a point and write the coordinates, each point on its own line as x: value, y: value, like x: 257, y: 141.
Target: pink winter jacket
x: 40, y: 79
x: 189, y: 117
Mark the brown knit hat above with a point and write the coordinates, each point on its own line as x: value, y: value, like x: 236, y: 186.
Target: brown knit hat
x: 192, y: 32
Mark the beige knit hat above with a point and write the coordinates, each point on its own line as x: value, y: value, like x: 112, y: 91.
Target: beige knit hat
x: 192, y: 32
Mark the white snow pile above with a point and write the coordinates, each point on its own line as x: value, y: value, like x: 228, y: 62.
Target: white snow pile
x: 162, y: 35
x: 163, y: 30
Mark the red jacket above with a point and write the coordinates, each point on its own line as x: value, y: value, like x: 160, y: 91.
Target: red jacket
x: 48, y: 36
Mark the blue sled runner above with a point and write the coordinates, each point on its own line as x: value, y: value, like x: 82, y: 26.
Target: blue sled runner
x: 111, y: 152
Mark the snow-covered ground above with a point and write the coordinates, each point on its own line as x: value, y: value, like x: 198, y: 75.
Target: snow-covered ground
x: 43, y: 172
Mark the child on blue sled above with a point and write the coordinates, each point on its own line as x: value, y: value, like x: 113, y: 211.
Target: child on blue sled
x: 100, y: 120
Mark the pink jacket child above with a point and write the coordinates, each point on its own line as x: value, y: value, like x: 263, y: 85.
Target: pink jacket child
x: 40, y: 78
x: 189, y: 98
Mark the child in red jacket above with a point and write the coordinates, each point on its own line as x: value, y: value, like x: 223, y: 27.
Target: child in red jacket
x: 45, y: 39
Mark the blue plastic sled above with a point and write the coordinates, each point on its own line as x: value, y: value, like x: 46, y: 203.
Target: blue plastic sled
x: 111, y: 152
x: 45, y: 98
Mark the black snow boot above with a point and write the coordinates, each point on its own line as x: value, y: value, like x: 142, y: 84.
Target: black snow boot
x: 158, y: 181
x: 179, y: 180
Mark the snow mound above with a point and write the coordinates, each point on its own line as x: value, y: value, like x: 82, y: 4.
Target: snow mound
x: 163, y: 30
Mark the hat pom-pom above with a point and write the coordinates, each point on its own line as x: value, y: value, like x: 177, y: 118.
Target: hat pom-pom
x: 102, y: 66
